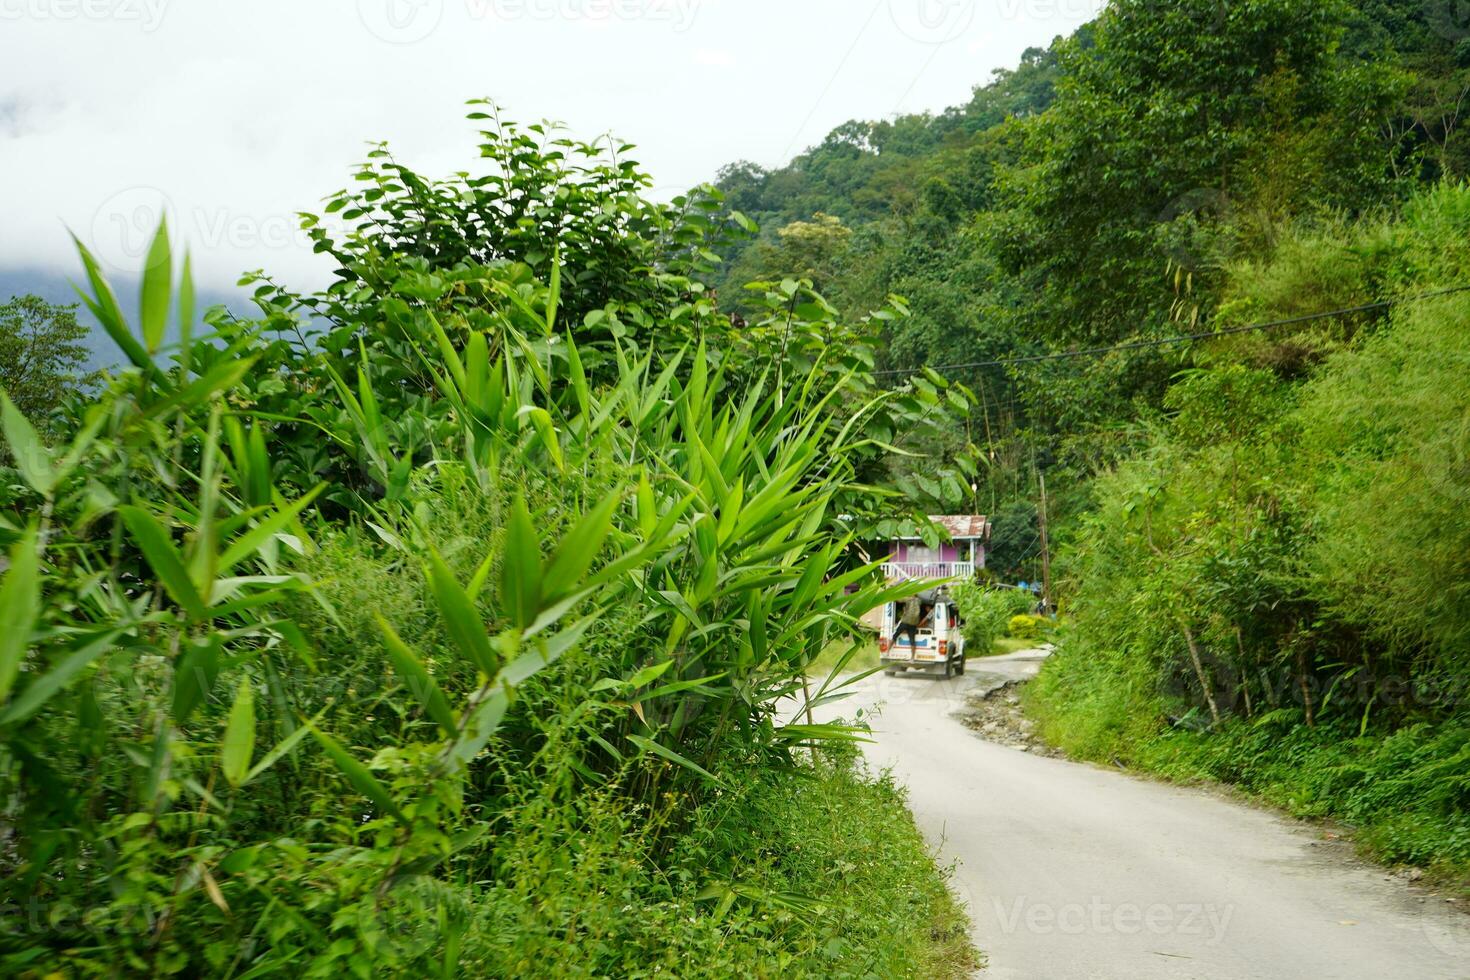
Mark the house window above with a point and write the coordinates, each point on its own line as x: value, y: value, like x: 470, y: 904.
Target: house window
x: 920, y: 555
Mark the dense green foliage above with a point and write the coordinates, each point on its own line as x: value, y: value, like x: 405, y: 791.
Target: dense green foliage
x: 43, y: 356
x: 1269, y: 526
x: 987, y: 613
x: 1097, y: 194
x: 1292, y: 549
x: 453, y: 641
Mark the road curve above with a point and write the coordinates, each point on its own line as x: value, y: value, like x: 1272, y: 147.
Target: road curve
x: 1075, y: 872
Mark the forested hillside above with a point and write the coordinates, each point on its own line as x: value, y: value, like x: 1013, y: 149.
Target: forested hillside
x: 1261, y: 536
x: 1093, y: 196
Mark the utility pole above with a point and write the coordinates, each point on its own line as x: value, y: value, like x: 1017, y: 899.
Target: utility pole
x: 1045, y: 546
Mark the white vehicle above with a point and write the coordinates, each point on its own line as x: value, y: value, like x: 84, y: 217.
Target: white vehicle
x: 937, y: 646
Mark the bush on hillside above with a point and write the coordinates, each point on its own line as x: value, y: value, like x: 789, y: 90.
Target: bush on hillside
x: 986, y: 613
x: 1292, y: 544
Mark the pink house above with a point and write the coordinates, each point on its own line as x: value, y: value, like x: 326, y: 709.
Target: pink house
x: 959, y: 557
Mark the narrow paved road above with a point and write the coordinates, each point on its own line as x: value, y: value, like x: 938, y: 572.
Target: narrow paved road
x: 1074, y: 872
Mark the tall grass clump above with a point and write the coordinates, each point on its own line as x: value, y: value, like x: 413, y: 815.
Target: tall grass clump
x: 451, y: 638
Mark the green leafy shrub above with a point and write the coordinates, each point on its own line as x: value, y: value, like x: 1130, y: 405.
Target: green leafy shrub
x: 987, y: 612
x: 439, y: 647
x: 1024, y: 626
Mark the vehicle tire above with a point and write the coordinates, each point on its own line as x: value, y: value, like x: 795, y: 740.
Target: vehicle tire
x: 961, y: 668
x: 948, y: 669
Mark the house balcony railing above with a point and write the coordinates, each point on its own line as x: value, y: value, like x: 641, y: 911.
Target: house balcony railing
x: 903, y: 570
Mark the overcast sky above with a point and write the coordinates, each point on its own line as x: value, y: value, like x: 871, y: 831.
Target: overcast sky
x: 235, y: 115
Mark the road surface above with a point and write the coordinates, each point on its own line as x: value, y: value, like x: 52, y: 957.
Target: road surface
x: 1075, y: 872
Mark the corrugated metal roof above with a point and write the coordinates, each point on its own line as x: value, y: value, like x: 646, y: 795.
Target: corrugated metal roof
x: 962, y: 525
x: 959, y: 526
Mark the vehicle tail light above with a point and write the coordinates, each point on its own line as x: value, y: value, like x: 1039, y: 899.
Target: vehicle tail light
x: 943, y: 647
x: 882, y: 645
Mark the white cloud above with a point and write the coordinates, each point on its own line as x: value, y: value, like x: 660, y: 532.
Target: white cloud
x: 235, y: 116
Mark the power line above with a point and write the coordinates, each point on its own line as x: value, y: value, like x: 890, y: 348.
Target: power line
x: 1185, y: 338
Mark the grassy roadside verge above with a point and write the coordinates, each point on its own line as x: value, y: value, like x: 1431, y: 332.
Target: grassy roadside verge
x: 1404, y: 794
x: 813, y: 871
x: 831, y: 833
x: 1011, y: 644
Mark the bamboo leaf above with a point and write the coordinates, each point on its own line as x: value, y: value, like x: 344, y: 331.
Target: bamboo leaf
x: 158, y: 548
x: 154, y: 297
x: 20, y: 604
x: 447, y: 351
x: 527, y: 665
x: 647, y: 508
x: 252, y: 540
x: 649, y: 745
x: 357, y: 774
x: 553, y: 292
x: 546, y: 430
x: 239, y: 742
x: 460, y: 616
x: 578, y: 549
x: 418, y: 678
x: 194, y: 676
x: 579, y: 377
x: 282, y: 750
x: 520, y: 567
x: 104, y: 307
x: 31, y: 456
x: 649, y: 674
x: 224, y: 375
x: 186, y: 318
x: 812, y: 734
x: 45, y: 687
x: 484, y: 720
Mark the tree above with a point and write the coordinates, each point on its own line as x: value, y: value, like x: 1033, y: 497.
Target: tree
x: 1182, y: 120
x: 42, y: 355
